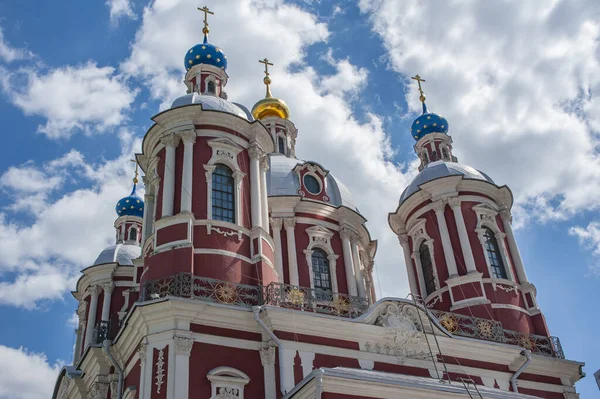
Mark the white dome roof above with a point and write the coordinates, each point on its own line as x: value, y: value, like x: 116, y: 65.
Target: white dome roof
x: 439, y: 169
x: 122, y: 254
x: 283, y: 181
x: 213, y: 103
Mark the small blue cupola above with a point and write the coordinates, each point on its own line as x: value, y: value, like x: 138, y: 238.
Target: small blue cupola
x: 428, y: 122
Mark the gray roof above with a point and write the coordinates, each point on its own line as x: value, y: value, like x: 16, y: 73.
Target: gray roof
x: 438, y: 169
x: 120, y: 253
x: 213, y: 103
x: 282, y: 181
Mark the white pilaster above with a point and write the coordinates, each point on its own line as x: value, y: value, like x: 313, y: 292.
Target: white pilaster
x: 465, y: 245
x: 512, y: 245
x: 287, y: 379
x: 332, y: 258
x: 439, y: 207
x: 108, y: 289
x: 348, y: 262
x: 306, y: 360
x: 264, y: 167
x: 358, y: 275
x: 145, y: 370
x: 276, y: 224
x: 290, y: 225
x: 254, y: 152
x: 89, y: 329
x: 183, y: 349
x: 412, y: 280
x: 170, y: 142
x: 267, y: 358
x: 189, y: 138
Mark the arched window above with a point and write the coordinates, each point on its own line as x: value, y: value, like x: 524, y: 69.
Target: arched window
x: 425, y: 157
x: 434, y: 156
x: 321, y: 273
x: 444, y: 153
x: 133, y: 234
x: 223, y: 203
x: 210, y: 87
x: 493, y: 253
x: 281, y: 145
x: 427, y: 267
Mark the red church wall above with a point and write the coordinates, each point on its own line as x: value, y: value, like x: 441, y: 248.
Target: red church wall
x: 205, y: 357
x: 515, y: 320
x: 218, y: 241
x: 302, y: 241
x: 225, y: 332
x: 542, y: 394
x: 284, y: 257
x: 314, y: 216
x: 168, y: 263
x: 539, y: 325
x: 133, y: 378
x: 455, y: 241
x: 330, y: 395
x: 399, y: 369
x: 174, y: 232
x: 416, y: 208
x: 117, y: 300
x: 471, y: 224
x: 322, y: 360
x: 178, y: 175
x: 265, y: 273
x: 244, y: 163
x: 202, y: 153
x: 340, y: 271
x: 227, y: 268
x: 160, y: 170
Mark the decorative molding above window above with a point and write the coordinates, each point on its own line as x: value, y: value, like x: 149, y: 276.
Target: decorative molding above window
x: 227, y: 383
x: 320, y: 237
x: 309, y: 175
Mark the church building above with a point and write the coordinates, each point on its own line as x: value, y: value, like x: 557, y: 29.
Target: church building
x: 247, y: 272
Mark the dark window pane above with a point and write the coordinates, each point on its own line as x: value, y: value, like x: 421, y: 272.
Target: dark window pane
x: 223, y: 204
x: 321, y: 273
x: 312, y: 184
x: 493, y: 253
x: 427, y: 267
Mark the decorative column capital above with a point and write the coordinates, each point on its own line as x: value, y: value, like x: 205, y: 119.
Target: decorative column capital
x: 255, y: 152
x: 171, y: 140
x: 439, y: 206
x: 142, y: 352
x: 506, y: 215
x: 500, y: 236
x: 276, y: 223
x: 108, y: 287
x: 94, y: 290
x: 347, y: 233
x: 183, y: 346
x: 188, y: 136
x: 454, y: 202
x: 98, y: 390
x: 264, y: 163
x: 403, y: 238
x: 267, y: 356
x: 289, y: 223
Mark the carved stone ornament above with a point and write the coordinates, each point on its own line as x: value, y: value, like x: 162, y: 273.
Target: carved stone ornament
x: 399, y: 316
x: 276, y: 223
x: 65, y: 387
x: 160, y: 370
x: 267, y: 356
x: 142, y: 353
x: 403, y: 238
x: 228, y: 393
x: 98, y: 390
x: 289, y: 222
x: 454, y: 202
x: 188, y: 136
x: 172, y: 140
x: 183, y: 345
x: 108, y: 287
x: 439, y: 206
x: 571, y: 395
x: 506, y: 215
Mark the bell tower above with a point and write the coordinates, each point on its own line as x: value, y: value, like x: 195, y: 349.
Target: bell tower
x: 455, y: 227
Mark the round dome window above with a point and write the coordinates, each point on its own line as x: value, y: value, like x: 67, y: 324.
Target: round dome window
x: 312, y: 184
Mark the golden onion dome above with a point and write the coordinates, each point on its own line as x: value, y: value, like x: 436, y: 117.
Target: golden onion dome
x: 270, y: 106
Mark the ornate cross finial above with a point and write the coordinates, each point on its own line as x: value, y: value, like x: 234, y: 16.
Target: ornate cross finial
x: 267, y: 79
x: 135, y: 178
x: 419, y: 80
x: 206, y: 11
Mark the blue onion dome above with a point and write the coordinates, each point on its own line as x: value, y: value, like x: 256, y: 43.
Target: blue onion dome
x: 427, y: 123
x: 205, y: 53
x: 132, y: 205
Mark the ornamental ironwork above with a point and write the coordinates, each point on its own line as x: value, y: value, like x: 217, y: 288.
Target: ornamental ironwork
x: 316, y: 300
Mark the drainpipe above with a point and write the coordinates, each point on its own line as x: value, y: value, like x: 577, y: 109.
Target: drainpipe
x: 106, y: 347
x: 257, y: 310
x: 513, y: 379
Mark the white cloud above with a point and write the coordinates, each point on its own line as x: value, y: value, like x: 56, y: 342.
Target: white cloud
x: 518, y: 83
x: 356, y: 152
x: 84, y: 98
x: 19, y: 367
x: 589, y: 237
x: 10, y: 54
x: 28, y: 179
x: 44, y: 257
x: 119, y: 9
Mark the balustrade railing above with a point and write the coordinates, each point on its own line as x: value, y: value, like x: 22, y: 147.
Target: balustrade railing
x: 187, y: 285
x: 104, y: 330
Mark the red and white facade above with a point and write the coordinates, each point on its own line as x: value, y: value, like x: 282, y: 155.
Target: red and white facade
x: 278, y: 301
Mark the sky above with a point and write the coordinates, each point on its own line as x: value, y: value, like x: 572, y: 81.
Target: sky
x: 79, y: 81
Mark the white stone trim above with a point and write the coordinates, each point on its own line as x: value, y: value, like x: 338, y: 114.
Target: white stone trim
x: 418, y: 234
x: 227, y: 379
x: 213, y: 251
x: 320, y: 237
x: 486, y: 217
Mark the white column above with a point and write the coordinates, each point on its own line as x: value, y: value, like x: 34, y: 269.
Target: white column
x: 148, y: 208
x: 255, y: 153
x: 276, y: 224
x: 512, y: 245
x: 412, y: 279
x: 189, y: 138
x: 89, y: 329
x: 183, y: 349
x: 348, y: 263
x: 290, y: 225
x: 145, y: 371
x: 286, y: 357
x: 439, y: 207
x: 358, y: 275
x: 168, y: 195
x: 108, y: 289
x: 267, y: 358
x: 333, y: 270
x: 264, y: 167
x: 465, y: 245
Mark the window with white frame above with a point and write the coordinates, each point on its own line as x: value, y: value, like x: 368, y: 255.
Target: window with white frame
x: 223, y: 194
x: 427, y: 267
x: 321, y: 274
x: 133, y: 234
x: 281, y: 144
x: 492, y: 251
x: 227, y: 383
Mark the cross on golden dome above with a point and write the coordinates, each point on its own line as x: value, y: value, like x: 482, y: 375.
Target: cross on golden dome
x: 206, y: 11
x: 419, y: 80
x: 267, y: 79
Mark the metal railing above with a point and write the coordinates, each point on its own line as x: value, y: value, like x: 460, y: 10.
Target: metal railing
x: 305, y: 299
x: 104, y: 330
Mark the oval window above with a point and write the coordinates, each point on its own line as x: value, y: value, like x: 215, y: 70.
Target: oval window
x: 312, y: 184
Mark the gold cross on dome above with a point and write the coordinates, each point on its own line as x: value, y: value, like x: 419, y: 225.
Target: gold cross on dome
x: 135, y: 178
x: 419, y: 80
x: 206, y: 11
x: 267, y: 63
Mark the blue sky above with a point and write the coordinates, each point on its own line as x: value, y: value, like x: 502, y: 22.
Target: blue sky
x: 79, y: 82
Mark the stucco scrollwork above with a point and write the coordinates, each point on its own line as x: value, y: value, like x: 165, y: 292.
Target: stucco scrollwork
x: 183, y: 345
